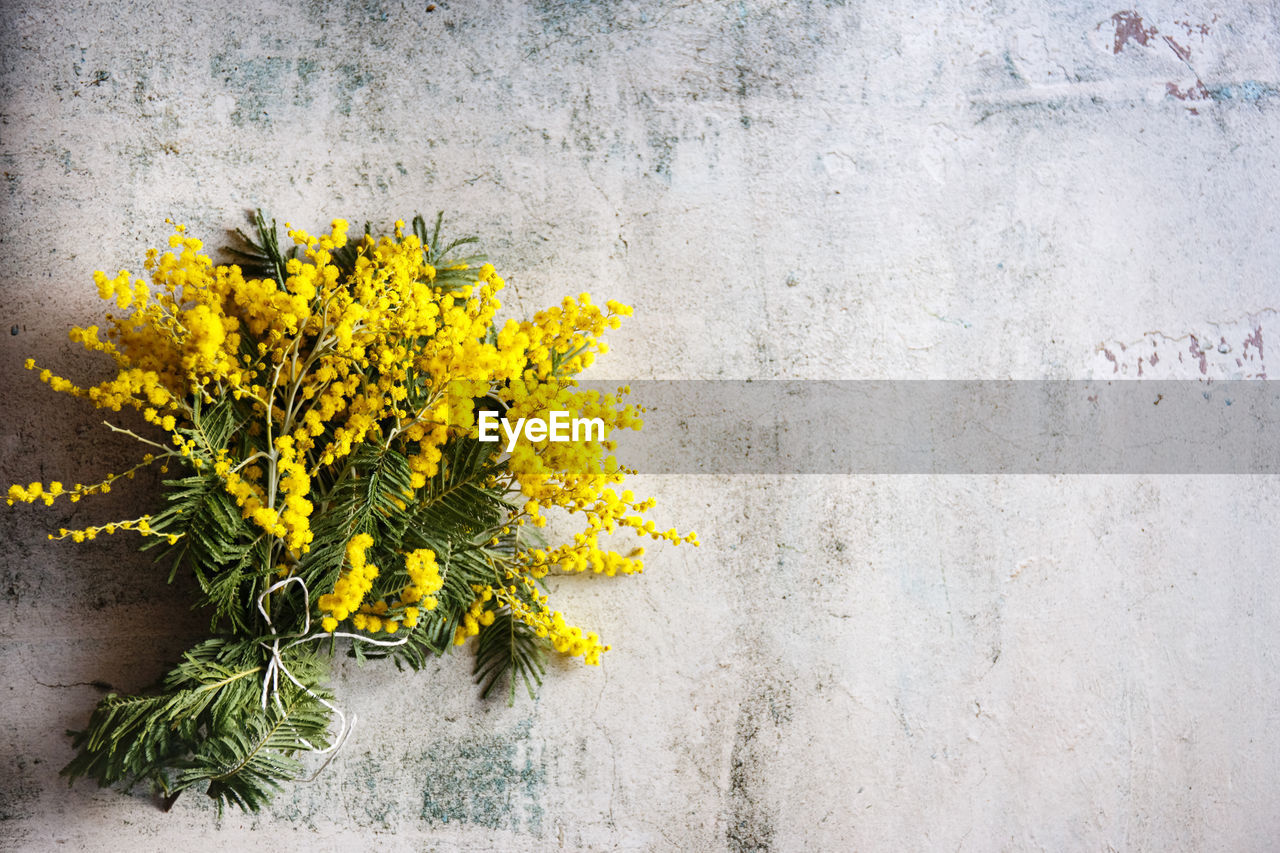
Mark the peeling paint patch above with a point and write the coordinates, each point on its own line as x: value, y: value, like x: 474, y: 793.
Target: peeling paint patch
x: 1194, y: 92
x: 492, y: 779
x: 1130, y: 27
x: 1226, y: 350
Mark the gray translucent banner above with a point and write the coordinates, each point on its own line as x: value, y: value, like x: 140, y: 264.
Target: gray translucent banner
x: 953, y: 427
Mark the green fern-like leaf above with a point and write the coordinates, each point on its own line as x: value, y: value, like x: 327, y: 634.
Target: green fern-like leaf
x: 260, y: 258
x: 245, y: 762
x: 444, y: 257
x: 133, y: 737
x: 214, y: 542
x: 205, y: 724
x: 509, y: 650
x: 456, y: 500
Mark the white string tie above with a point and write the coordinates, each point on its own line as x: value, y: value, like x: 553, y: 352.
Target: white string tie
x: 275, y: 666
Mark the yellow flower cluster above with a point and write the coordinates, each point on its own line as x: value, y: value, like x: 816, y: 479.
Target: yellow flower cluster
x: 418, y: 595
x: 478, y: 615
x: 424, y: 580
x: 567, y: 639
x: 362, y: 345
x: 38, y: 492
x: 351, y: 587
x: 141, y: 526
x: 295, y: 485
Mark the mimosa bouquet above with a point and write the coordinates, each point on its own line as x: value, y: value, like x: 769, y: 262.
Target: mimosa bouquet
x: 319, y: 411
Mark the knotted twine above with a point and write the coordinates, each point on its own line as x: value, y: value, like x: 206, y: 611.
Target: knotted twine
x: 275, y: 666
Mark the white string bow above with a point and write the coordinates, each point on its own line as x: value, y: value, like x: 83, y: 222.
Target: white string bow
x: 275, y: 666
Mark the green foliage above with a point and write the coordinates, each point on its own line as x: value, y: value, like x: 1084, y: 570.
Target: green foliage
x: 450, y: 269
x: 261, y: 258
x: 205, y: 725
x: 454, y: 515
x: 456, y: 500
x: 214, y: 540
x: 507, y: 650
x: 250, y: 759
x: 216, y: 544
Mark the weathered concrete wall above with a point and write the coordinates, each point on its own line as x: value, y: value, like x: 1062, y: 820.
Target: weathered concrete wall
x: 782, y: 189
